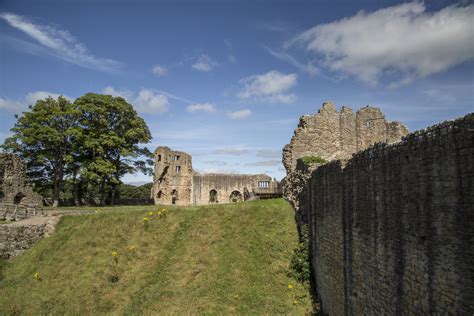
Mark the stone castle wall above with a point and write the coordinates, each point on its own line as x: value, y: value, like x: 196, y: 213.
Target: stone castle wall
x: 391, y: 230
x: 175, y: 182
x: 330, y: 134
x: 224, y: 185
x: 14, y: 187
x: 172, y: 185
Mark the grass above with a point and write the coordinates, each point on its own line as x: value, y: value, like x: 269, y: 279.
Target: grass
x: 220, y: 259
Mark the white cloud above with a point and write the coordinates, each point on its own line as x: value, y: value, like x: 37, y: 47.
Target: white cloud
x: 402, y: 41
x: 204, y: 63
x: 17, y: 106
x: 237, y: 115
x: 146, y: 101
x: 269, y: 87
x: 60, y: 43
x: 160, y: 71
x: 201, y: 107
x: 149, y: 102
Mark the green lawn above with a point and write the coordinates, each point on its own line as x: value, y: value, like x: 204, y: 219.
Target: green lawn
x: 221, y: 259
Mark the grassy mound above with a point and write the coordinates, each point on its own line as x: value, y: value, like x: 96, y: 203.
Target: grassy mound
x: 217, y: 259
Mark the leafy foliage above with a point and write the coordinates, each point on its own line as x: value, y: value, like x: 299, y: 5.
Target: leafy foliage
x: 299, y: 264
x: 90, y: 143
x: 307, y: 160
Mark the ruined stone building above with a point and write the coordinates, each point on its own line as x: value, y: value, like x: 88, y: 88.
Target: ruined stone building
x: 14, y: 187
x: 332, y: 135
x: 390, y: 227
x: 175, y: 182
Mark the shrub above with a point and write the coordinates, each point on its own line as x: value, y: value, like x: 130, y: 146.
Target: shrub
x: 299, y: 264
x: 307, y: 160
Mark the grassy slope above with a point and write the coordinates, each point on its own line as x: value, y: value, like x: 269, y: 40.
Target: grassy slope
x: 213, y: 260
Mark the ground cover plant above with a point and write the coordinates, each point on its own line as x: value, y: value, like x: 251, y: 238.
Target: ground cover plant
x: 219, y: 259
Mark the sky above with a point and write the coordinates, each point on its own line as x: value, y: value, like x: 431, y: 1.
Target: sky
x: 227, y: 81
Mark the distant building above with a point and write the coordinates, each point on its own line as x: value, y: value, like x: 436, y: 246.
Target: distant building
x: 175, y: 182
x: 14, y: 187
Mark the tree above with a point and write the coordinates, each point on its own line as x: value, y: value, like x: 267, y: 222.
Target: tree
x: 111, y: 138
x: 43, y: 138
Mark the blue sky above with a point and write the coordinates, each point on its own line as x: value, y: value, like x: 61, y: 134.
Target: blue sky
x: 227, y: 81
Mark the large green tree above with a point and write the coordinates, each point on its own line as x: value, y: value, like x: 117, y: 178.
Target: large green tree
x: 44, y: 137
x: 111, y: 140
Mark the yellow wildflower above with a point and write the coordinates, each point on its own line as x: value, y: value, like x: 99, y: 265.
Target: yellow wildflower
x: 131, y: 249
x: 295, y: 302
x: 150, y: 213
x: 114, y: 254
x: 37, y: 276
x: 159, y: 213
x: 145, y: 219
x: 290, y: 286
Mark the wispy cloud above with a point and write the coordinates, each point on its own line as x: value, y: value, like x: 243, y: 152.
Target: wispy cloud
x: 159, y: 70
x: 146, y: 101
x: 404, y: 42
x: 308, y: 67
x: 268, y: 153
x: 238, y: 115
x: 204, y: 63
x: 269, y: 87
x: 60, y: 43
x: 18, y: 106
x: 201, y: 107
x: 216, y: 163
x: 264, y: 163
x: 233, y: 151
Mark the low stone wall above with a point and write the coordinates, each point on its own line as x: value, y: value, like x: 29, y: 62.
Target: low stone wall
x: 392, y: 231
x: 17, y: 237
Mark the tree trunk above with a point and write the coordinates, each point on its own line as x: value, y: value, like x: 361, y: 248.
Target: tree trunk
x: 75, y: 188
x: 102, y: 192
x: 114, y: 191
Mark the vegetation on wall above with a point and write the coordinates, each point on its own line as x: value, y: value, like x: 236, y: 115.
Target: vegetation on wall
x: 90, y: 143
x: 308, y: 160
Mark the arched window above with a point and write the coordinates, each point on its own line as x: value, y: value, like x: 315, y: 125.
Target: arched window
x: 2, y: 195
x: 159, y: 195
x: 213, y: 196
x: 235, y: 196
x: 18, y: 198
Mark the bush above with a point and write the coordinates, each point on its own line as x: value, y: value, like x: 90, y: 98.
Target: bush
x: 307, y: 160
x: 299, y: 264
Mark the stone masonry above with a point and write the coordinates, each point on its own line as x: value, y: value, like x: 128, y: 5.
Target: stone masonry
x: 175, y: 182
x: 332, y: 135
x: 14, y: 187
x: 391, y: 230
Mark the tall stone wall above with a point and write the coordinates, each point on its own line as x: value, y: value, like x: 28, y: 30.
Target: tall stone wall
x: 14, y: 187
x: 392, y: 230
x: 332, y: 135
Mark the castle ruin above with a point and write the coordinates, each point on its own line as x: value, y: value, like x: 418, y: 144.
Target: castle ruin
x: 14, y: 187
x: 175, y: 182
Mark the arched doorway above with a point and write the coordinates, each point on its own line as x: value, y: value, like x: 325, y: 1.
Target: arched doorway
x: 174, y: 196
x: 235, y: 196
x: 18, y: 198
x: 159, y: 196
x: 213, y: 197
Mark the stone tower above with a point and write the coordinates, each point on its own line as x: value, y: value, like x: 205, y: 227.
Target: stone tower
x: 173, y: 179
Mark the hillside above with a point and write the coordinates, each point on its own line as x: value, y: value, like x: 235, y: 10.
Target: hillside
x: 217, y: 259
